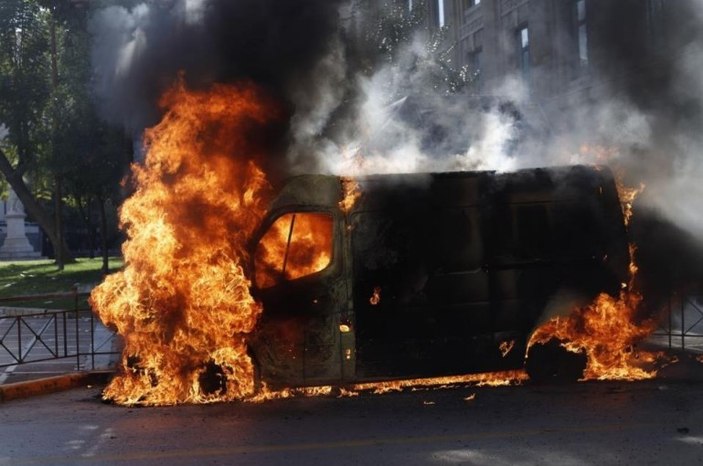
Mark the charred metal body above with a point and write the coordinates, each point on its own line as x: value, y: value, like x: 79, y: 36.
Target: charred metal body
x: 432, y: 274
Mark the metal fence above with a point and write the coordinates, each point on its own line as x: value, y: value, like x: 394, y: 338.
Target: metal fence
x: 682, y: 328
x: 35, y: 335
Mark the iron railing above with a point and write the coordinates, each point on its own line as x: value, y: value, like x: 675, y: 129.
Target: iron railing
x: 38, y: 335
x: 682, y: 328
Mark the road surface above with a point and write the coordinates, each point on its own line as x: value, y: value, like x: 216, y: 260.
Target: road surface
x: 654, y: 422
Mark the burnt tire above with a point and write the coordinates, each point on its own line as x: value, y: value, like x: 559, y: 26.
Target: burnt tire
x: 552, y: 363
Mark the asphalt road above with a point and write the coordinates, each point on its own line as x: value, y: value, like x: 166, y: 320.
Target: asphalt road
x: 655, y: 422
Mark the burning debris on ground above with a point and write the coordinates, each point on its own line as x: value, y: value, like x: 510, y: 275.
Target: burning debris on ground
x: 236, y: 281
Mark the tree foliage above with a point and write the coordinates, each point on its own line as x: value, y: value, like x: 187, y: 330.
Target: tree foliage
x: 55, y: 146
x: 24, y: 84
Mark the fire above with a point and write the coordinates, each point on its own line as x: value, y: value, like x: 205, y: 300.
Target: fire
x: 627, y: 198
x: 607, y: 329
x: 491, y: 379
x: 296, y: 245
x: 376, y: 296
x: 351, y: 192
x: 182, y: 303
x: 506, y: 347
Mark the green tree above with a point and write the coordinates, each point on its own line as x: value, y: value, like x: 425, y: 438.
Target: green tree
x: 91, y: 157
x: 25, y: 92
x: 55, y: 146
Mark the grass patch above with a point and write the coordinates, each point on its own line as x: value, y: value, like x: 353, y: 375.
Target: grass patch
x: 22, y: 278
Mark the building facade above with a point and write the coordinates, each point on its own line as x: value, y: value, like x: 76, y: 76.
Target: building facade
x: 563, y: 50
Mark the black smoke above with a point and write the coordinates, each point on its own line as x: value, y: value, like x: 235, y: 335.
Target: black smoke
x: 140, y: 47
x: 654, y: 60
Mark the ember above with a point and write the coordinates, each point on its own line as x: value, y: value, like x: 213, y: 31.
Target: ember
x: 376, y: 297
x: 506, y: 347
x: 182, y: 303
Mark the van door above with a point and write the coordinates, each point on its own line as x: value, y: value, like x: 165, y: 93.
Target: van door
x: 297, y: 279
x: 421, y: 292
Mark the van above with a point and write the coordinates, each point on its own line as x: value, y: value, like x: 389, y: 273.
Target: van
x: 426, y: 274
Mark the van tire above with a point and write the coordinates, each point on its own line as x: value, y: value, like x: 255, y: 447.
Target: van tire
x: 552, y: 363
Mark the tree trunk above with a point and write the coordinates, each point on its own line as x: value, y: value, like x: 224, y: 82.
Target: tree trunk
x: 58, y: 201
x: 58, y: 224
x: 86, y: 212
x: 103, y: 235
x: 33, y: 207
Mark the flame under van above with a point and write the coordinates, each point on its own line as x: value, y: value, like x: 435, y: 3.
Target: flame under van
x: 427, y: 274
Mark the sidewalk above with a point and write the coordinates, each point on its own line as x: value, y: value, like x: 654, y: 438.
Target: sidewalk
x: 48, y: 385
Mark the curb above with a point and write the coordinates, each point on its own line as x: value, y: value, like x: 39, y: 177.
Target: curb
x: 18, y: 390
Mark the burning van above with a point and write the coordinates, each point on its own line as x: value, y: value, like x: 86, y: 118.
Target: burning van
x: 427, y: 274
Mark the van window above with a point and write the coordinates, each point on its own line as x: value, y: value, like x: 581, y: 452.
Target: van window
x: 296, y: 245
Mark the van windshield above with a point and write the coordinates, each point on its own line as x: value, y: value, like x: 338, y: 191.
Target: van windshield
x: 295, y: 245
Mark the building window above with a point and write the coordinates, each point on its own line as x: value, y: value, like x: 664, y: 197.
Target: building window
x: 473, y: 60
x: 471, y: 3
x: 581, y: 32
x: 440, y: 13
x: 523, y: 43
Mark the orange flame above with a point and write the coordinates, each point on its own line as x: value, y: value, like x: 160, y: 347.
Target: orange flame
x: 376, y: 296
x: 491, y: 379
x: 182, y: 303
x: 607, y: 329
x: 627, y: 198
x: 351, y: 192
x: 506, y: 347
x: 297, y: 245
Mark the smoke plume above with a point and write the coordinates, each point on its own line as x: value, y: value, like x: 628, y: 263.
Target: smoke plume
x: 138, y: 51
x: 362, y: 98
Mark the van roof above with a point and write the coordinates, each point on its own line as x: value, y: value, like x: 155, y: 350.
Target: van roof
x: 325, y: 191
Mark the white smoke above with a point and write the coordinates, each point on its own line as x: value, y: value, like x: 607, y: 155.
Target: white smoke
x: 678, y: 196
x: 130, y: 29
x: 120, y: 42
x: 389, y: 130
x: 607, y: 128
x: 193, y: 11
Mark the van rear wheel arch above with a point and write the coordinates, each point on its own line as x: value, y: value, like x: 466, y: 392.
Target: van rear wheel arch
x: 551, y: 362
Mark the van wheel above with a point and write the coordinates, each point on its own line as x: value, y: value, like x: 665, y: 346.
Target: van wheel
x: 552, y: 363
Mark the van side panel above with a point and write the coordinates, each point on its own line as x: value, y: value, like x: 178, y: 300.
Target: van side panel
x: 446, y: 267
